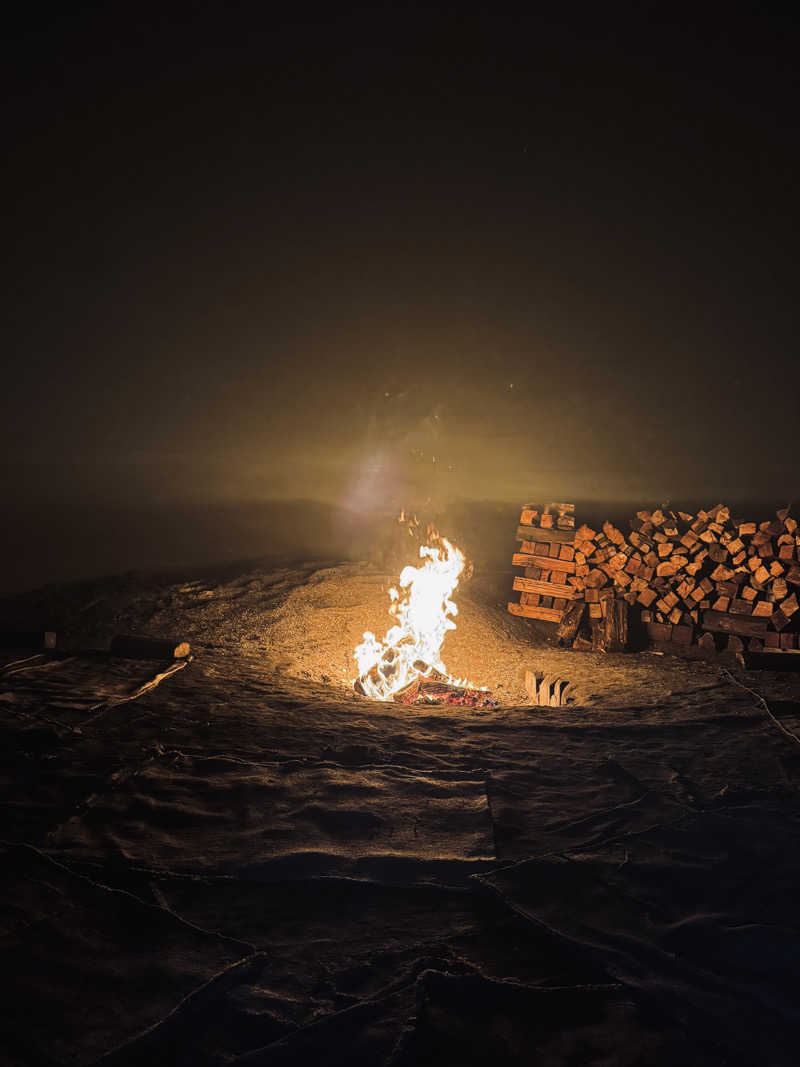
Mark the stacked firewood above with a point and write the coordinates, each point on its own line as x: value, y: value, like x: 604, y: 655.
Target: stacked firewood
x: 699, y: 579
x: 729, y: 582
x: 547, y: 556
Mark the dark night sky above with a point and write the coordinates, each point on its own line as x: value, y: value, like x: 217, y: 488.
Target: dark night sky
x: 231, y: 237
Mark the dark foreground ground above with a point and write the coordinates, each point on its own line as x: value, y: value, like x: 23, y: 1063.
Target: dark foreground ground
x: 245, y: 865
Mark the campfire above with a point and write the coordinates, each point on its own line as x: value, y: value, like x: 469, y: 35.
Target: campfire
x: 406, y: 666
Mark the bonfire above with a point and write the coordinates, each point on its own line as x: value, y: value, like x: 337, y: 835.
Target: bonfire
x: 407, y: 664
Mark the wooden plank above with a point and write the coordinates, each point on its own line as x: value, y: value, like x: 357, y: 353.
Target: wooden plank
x: 724, y: 623
x: 545, y: 614
x: 534, y: 533
x: 524, y: 559
x: 530, y: 585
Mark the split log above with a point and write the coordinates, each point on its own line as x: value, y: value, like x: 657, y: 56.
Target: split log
x: 555, y: 589
x: 570, y: 623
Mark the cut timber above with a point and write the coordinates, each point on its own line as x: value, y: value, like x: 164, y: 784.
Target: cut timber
x: 534, y: 533
x: 131, y: 646
x: 721, y: 622
x: 740, y: 606
x: 529, y: 585
x: 524, y: 559
x: 27, y: 639
x: 526, y: 612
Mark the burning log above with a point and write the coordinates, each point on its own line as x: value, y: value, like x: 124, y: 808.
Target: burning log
x: 409, y: 656
x: 409, y: 694
x: 432, y: 687
x: 433, y: 692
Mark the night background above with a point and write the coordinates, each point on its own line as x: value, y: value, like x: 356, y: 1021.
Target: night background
x: 399, y: 547
x: 296, y: 257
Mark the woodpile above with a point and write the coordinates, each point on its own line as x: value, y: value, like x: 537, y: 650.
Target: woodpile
x: 547, y: 557
x: 705, y: 580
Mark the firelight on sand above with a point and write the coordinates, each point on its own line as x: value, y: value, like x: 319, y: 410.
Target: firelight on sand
x: 425, y: 612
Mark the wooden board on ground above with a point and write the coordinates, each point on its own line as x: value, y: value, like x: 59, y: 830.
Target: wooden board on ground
x: 771, y: 661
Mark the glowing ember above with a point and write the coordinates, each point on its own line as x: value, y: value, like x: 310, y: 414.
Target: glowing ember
x: 424, y: 611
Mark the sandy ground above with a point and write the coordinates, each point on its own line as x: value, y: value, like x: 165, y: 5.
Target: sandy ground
x: 304, y: 621
x: 250, y: 864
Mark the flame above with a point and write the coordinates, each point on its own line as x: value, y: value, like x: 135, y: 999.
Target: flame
x: 425, y: 612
